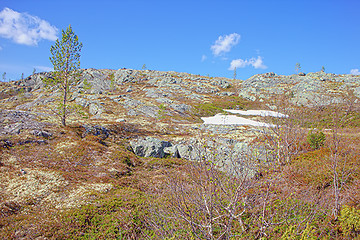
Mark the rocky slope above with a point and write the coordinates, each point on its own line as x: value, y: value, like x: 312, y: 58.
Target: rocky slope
x: 125, y: 121
x: 312, y: 89
x: 165, y: 103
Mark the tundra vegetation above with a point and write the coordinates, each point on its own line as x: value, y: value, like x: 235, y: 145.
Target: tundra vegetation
x: 297, y: 179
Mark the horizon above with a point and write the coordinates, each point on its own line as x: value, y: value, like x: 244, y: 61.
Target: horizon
x: 209, y: 38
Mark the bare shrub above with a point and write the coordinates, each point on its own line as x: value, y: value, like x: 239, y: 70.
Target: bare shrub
x: 285, y: 135
x: 209, y: 203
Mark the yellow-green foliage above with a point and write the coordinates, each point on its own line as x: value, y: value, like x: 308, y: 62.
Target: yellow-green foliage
x: 292, y: 233
x: 117, y: 217
x: 291, y: 218
x: 218, y: 104
x: 162, y: 111
x: 316, y: 139
x: 207, y: 109
x: 350, y: 221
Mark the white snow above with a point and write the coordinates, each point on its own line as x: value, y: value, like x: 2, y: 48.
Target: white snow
x: 221, y: 119
x: 263, y: 113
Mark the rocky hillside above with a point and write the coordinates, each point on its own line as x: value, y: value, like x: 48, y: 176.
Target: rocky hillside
x: 312, y: 89
x: 169, y: 97
x: 130, y: 131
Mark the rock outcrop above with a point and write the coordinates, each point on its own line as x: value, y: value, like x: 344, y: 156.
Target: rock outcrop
x: 149, y: 147
x: 312, y: 89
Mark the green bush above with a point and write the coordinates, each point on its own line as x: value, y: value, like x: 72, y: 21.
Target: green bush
x: 350, y: 221
x: 316, y: 139
x: 120, y: 216
x: 307, y: 234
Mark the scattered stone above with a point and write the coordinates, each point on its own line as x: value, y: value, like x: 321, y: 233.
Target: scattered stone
x: 149, y: 111
x: 32, y: 141
x: 5, y: 143
x: 96, y: 130
x: 182, y: 108
x: 95, y: 108
x: 41, y: 133
x: 82, y: 101
x: 14, y: 121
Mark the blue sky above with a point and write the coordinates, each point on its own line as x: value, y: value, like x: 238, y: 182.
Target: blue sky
x: 204, y: 37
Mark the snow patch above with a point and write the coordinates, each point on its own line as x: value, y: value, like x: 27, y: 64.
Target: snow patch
x: 221, y: 119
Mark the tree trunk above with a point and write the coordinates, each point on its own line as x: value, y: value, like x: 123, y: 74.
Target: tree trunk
x: 63, y: 119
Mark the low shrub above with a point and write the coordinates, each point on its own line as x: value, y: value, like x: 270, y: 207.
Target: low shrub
x: 350, y: 221
x: 316, y: 139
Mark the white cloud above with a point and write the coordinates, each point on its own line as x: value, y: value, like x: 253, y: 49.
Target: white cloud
x: 355, y: 71
x: 43, y: 69
x: 257, y: 63
x: 238, y: 63
x: 24, y: 28
x: 1, y: 48
x: 224, y: 44
x: 203, y: 58
x: 254, y: 62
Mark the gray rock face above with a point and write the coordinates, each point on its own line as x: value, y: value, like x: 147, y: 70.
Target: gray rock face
x: 357, y: 92
x: 164, y: 100
x: 99, y: 80
x: 149, y: 111
x: 236, y: 158
x: 82, y: 101
x: 34, y: 82
x: 225, y: 94
x: 186, y: 151
x: 132, y: 103
x: 96, y: 130
x: 95, y: 108
x: 156, y: 93
x: 37, y: 102
x: 149, y: 147
x: 14, y: 121
x: 123, y: 76
x: 221, y: 83
x: 41, y: 133
x: 182, y: 108
x: 312, y: 89
x: 172, y: 151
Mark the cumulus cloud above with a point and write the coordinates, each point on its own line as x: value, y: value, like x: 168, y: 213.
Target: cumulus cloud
x: 254, y: 62
x: 224, y: 43
x: 238, y: 63
x: 355, y: 71
x: 24, y: 28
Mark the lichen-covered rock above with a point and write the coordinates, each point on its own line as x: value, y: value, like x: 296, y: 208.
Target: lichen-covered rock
x: 95, y: 108
x: 312, y: 89
x: 172, y: 151
x: 96, y: 130
x: 149, y: 147
x: 14, y: 121
x: 182, y: 108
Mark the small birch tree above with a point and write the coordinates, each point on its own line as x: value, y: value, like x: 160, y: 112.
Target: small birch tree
x: 65, y: 57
